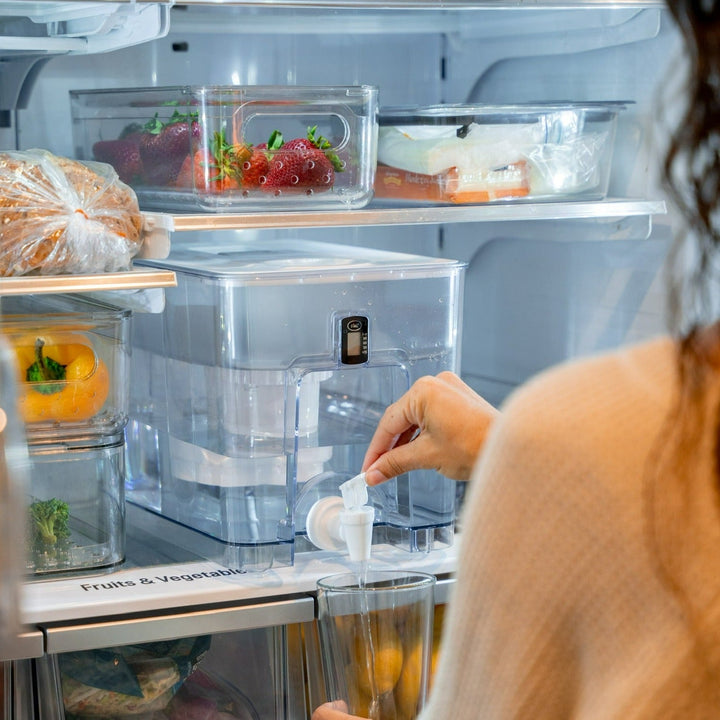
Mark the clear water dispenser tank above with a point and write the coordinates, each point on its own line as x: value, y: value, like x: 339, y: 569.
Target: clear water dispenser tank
x: 257, y: 389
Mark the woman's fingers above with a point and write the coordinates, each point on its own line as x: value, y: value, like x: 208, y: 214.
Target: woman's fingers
x: 440, y: 423
x: 336, y: 710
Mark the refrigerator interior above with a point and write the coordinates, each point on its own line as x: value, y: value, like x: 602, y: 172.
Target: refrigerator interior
x: 537, y: 292
x: 543, y: 284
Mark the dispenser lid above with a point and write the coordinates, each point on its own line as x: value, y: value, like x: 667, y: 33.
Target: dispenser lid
x: 289, y: 261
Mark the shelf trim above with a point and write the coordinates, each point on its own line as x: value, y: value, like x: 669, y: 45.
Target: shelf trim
x: 433, y: 215
x: 103, y: 633
x: 136, y: 279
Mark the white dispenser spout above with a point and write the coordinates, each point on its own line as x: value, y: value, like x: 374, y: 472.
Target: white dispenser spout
x: 335, y: 523
x: 356, y: 526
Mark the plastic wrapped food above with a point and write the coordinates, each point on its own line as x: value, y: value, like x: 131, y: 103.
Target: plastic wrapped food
x: 61, y: 216
x: 477, y: 154
x: 128, y: 680
x: 204, y: 696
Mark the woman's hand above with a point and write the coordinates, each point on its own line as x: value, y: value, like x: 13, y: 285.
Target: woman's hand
x: 336, y: 710
x: 440, y: 424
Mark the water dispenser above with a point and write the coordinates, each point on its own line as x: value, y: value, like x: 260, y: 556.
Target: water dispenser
x: 255, y: 392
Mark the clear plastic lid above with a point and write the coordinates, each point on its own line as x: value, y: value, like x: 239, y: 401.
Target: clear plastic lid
x: 298, y: 261
x: 460, y: 114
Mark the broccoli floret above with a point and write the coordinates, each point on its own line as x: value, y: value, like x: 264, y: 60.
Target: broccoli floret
x: 49, y: 520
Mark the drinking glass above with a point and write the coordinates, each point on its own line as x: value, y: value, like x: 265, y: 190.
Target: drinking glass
x: 376, y: 641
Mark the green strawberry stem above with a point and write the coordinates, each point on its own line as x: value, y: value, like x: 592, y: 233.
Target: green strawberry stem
x: 275, y: 141
x: 322, y: 143
x: 155, y: 125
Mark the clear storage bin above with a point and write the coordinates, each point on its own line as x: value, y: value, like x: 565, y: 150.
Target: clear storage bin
x: 234, y: 149
x: 76, y: 506
x: 479, y: 154
x: 257, y: 390
x: 71, y: 362
x: 242, y: 675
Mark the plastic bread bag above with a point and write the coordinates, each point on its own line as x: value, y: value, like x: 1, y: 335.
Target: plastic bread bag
x: 61, y: 216
x: 127, y: 680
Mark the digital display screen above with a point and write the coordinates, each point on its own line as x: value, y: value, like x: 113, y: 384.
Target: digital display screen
x: 354, y: 343
x: 354, y: 340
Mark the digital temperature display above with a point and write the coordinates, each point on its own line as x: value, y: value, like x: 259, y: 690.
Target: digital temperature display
x: 354, y: 340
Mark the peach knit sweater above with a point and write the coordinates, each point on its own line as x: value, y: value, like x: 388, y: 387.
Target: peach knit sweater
x: 560, y: 611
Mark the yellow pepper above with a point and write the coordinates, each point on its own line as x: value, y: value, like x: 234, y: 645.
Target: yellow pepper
x: 61, y: 378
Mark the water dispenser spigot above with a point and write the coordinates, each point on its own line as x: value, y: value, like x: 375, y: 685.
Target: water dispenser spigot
x: 335, y: 523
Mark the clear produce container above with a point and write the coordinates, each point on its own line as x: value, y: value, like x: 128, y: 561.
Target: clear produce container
x: 71, y: 363
x: 256, y: 391
x: 70, y: 359
x: 76, y: 506
x: 231, y: 148
x: 241, y: 675
x: 480, y: 154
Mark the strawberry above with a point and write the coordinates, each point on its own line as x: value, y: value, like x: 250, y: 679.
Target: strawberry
x: 214, y: 170
x: 302, y: 164
x: 123, y: 155
x: 164, y: 147
x: 185, y: 175
x: 321, y: 143
x: 255, y: 168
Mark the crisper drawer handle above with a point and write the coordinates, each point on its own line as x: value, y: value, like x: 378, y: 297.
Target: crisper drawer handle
x: 64, y: 637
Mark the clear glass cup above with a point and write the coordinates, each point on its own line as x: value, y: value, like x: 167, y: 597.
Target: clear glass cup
x: 376, y: 641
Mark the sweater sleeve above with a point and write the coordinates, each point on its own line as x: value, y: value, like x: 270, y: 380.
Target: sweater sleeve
x: 551, y: 562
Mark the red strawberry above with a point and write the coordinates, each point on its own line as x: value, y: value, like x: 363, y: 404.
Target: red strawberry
x: 255, y: 168
x: 164, y: 147
x: 123, y: 155
x: 209, y: 177
x: 184, y: 178
x: 299, y: 144
x: 214, y: 170
x: 300, y: 168
x: 303, y: 164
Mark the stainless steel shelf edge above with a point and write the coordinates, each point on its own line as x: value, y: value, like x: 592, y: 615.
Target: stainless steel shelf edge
x: 26, y: 645
x: 444, y: 5
x: 443, y: 588
x: 421, y: 215
x: 138, y: 279
x: 105, y: 633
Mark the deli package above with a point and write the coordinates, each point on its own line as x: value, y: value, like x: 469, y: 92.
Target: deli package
x: 61, y: 216
x: 479, y: 154
x: 127, y: 680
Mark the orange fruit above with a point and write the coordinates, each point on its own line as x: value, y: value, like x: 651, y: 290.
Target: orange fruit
x: 407, y: 691
x: 382, y: 662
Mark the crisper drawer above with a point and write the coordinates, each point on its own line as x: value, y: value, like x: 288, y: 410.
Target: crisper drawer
x: 244, y: 675
x: 258, y: 670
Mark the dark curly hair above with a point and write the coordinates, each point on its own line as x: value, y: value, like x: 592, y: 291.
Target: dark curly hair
x: 691, y: 175
x: 692, y: 167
